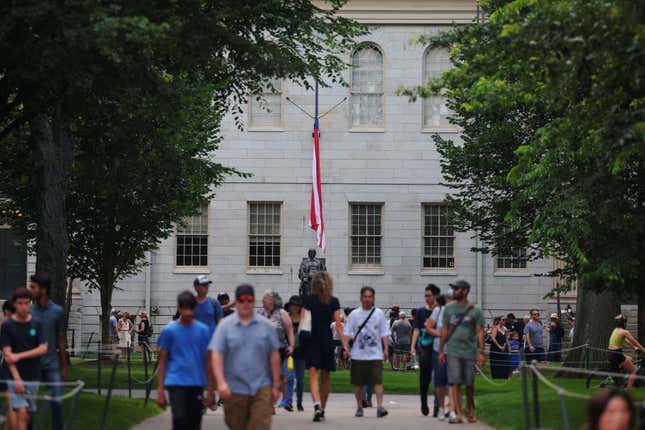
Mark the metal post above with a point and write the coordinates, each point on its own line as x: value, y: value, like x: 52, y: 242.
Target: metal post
x: 587, y: 375
x: 88, y: 346
x: 73, y: 353
x: 145, y: 362
x: 149, y: 384
x: 109, y: 392
x: 536, y: 399
x: 129, y: 375
x: 565, y: 414
x: 525, y: 398
x: 98, y: 368
x: 72, y: 411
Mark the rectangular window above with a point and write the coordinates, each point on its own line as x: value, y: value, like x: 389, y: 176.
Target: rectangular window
x: 435, y: 112
x: 516, y: 260
x: 264, y: 234
x: 267, y: 112
x: 192, y: 240
x: 438, y: 238
x: 367, y: 234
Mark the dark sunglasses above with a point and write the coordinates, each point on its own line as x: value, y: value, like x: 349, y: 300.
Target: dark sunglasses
x: 246, y: 299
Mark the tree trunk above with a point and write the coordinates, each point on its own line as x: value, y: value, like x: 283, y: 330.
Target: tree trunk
x: 594, y: 323
x: 641, y: 321
x: 52, y: 161
x: 106, y: 307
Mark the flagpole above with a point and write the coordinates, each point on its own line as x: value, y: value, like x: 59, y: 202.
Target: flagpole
x: 316, y: 108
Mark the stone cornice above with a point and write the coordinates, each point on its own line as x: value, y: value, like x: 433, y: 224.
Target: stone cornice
x: 409, y: 11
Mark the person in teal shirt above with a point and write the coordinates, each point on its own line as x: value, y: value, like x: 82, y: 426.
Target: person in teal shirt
x: 463, y: 334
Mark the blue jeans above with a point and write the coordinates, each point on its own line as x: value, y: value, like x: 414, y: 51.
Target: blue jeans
x: 291, y: 376
x: 297, y: 375
x: 300, y: 378
x: 53, y: 375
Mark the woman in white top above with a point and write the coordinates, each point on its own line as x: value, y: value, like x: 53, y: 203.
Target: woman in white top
x: 124, y: 329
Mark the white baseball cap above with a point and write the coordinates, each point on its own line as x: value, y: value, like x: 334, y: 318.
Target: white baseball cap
x: 202, y: 280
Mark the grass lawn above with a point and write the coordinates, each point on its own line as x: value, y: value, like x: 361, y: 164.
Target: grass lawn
x: 498, y: 404
x: 123, y: 413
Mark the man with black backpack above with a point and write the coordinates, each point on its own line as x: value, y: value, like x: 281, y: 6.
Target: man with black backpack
x: 144, y: 333
x: 208, y: 310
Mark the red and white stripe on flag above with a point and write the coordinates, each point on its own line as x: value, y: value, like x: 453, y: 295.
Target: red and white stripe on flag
x: 316, y: 221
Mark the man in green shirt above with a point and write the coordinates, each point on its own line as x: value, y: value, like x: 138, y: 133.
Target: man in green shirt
x: 462, y: 339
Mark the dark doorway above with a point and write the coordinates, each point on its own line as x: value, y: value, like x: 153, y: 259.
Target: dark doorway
x: 13, y: 263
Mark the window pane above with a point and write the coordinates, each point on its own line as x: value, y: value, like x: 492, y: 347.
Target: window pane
x: 267, y: 113
x: 192, y: 240
x: 438, y: 239
x: 366, y: 234
x: 435, y: 111
x: 367, y: 87
x: 264, y: 234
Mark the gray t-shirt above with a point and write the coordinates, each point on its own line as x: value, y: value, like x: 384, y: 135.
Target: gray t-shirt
x: 534, y: 330
x: 401, y: 332
x: 246, y: 350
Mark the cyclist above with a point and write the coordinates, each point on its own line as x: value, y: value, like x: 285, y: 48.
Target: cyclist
x: 616, y: 358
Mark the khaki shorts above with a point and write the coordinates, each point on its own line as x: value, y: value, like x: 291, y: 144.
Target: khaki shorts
x: 249, y: 412
x: 461, y: 371
x: 365, y: 372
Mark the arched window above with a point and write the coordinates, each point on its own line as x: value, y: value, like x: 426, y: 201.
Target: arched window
x: 435, y: 111
x: 367, y: 87
x: 267, y: 113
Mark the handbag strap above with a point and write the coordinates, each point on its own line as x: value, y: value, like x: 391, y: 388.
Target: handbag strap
x: 363, y: 325
x: 454, y: 327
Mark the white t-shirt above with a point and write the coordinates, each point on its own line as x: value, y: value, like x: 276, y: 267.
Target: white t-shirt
x: 369, y: 343
x: 437, y: 316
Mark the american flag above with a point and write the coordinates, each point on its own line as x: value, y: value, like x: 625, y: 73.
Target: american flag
x: 316, y: 221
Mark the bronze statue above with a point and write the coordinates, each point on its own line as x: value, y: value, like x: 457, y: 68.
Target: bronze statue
x: 308, y: 268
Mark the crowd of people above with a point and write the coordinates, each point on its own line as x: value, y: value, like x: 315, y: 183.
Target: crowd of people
x: 32, y: 338
x: 254, y: 356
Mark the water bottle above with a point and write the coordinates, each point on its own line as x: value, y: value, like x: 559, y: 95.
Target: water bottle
x: 290, y: 364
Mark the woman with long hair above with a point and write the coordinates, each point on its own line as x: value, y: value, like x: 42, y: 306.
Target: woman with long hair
x: 610, y: 410
x: 279, y: 319
x: 324, y: 308
x: 499, y: 350
x: 615, y: 355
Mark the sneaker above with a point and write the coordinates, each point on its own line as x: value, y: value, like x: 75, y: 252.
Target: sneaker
x: 317, y: 413
x: 424, y: 410
x: 359, y: 412
x: 381, y: 412
x: 300, y: 408
x: 442, y: 414
x: 288, y: 407
x: 322, y: 414
x: 368, y: 403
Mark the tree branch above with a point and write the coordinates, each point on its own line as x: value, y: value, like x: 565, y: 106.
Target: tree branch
x: 14, y: 124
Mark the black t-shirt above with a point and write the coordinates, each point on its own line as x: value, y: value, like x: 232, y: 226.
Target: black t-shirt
x: 420, y: 317
x: 21, y: 337
x: 322, y: 316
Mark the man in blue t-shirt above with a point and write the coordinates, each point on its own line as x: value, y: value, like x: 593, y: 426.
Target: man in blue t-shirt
x: 208, y: 310
x: 184, y: 366
x: 53, y: 365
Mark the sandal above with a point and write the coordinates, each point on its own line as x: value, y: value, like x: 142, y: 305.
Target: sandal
x: 472, y: 419
x: 455, y: 420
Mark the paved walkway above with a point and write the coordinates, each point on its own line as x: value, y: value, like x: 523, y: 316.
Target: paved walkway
x: 403, y: 414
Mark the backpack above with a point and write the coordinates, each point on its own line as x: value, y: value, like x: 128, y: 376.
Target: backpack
x: 149, y: 331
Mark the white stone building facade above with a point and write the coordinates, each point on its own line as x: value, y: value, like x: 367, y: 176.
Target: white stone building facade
x: 381, y: 182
